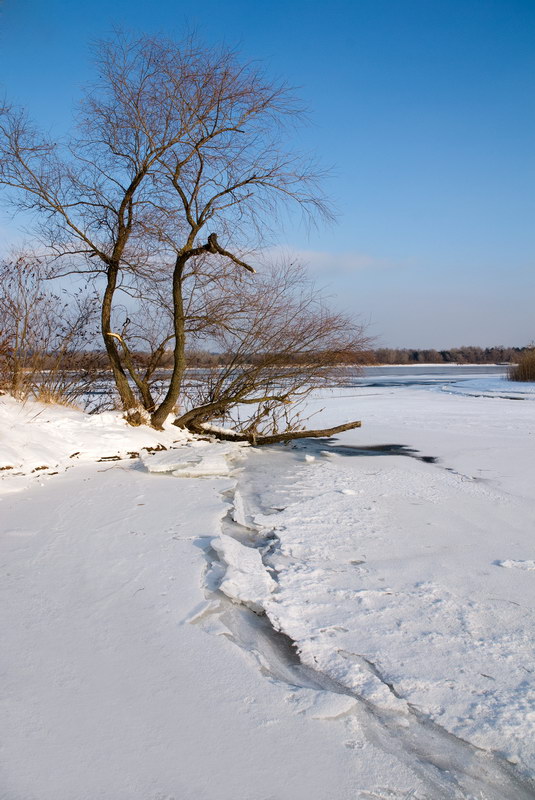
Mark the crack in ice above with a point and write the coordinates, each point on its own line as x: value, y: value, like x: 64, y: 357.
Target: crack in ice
x: 448, y: 765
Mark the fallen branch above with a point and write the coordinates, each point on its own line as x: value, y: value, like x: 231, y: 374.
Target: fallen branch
x: 274, y: 439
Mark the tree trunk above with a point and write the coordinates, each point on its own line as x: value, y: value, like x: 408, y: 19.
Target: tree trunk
x: 126, y: 394
x: 192, y: 419
x: 179, y: 356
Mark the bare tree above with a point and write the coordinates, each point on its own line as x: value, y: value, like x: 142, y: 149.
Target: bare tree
x: 44, y: 334
x: 179, y: 155
x: 280, y: 342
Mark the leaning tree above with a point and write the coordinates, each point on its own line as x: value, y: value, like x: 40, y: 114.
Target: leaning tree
x: 179, y: 162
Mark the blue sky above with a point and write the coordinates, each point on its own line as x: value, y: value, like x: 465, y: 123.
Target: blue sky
x: 424, y: 110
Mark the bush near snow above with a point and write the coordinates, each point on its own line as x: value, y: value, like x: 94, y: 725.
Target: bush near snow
x: 525, y: 369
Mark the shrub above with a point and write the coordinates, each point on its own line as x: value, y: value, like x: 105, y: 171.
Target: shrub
x: 525, y: 369
x: 43, y: 335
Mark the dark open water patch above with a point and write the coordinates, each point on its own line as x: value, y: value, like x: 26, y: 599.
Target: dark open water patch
x: 331, y: 446
x: 383, y: 450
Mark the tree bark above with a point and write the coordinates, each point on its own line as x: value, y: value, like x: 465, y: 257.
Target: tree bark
x: 179, y: 351
x: 126, y: 394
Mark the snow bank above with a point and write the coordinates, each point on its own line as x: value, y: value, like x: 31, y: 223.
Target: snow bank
x: 35, y: 437
x: 43, y: 439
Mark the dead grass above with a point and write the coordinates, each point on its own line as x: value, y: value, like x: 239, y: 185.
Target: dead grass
x: 54, y: 396
x: 525, y: 369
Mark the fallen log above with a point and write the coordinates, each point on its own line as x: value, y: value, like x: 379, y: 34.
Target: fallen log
x: 275, y: 438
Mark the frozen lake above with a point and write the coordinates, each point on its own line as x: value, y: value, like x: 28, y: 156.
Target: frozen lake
x: 476, y: 379
x: 420, y: 374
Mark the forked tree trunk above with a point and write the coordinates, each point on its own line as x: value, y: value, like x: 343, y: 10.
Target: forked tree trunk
x: 179, y: 353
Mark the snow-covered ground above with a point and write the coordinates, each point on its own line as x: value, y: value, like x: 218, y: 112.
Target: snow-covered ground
x: 46, y: 438
x: 346, y: 619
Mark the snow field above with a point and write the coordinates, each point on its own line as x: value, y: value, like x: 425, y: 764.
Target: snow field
x: 407, y: 589
x: 370, y: 588
x: 112, y: 690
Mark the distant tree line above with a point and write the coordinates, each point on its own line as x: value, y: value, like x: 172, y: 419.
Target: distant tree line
x: 204, y: 359
x: 382, y: 355
x: 457, y: 355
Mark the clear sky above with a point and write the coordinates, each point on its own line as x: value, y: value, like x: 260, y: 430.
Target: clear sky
x: 424, y: 109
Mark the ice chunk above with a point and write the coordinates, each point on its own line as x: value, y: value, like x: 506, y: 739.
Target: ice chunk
x: 169, y: 460
x: 511, y: 564
x: 246, y: 579
x: 192, y: 460
x: 323, y: 704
